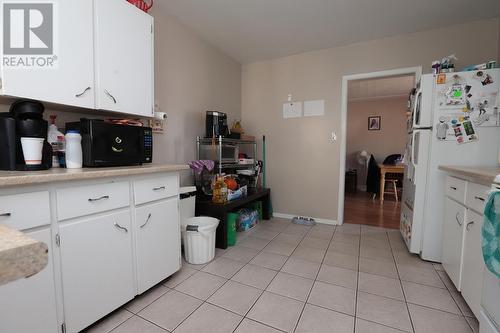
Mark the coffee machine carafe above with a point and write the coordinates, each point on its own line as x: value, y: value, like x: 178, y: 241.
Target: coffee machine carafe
x: 24, y: 120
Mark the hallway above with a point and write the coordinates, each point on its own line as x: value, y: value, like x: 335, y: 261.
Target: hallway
x: 359, y: 208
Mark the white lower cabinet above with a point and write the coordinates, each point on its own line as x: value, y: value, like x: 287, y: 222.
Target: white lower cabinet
x: 453, y: 234
x: 462, y: 240
x: 157, y: 242
x: 97, y: 267
x: 29, y: 305
x: 473, y: 263
x: 106, y: 253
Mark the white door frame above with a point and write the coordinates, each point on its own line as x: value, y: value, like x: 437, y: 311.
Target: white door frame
x: 417, y: 71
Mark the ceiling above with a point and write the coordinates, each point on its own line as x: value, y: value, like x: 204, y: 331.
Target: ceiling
x: 252, y: 30
x: 380, y: 88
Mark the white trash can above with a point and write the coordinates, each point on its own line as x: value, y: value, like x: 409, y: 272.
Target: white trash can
x: 198, y: 235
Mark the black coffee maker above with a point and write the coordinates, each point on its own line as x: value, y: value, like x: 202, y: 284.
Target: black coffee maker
x: 216, y: 124
x: 24, y: 119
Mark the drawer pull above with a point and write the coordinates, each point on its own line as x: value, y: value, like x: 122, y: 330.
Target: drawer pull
x: 99, y: 199
x: 453, y: 188
x: 120, y: 227
x: 147, y: 221
x: 83, y: 92
x: 110, y: 96
x: 479, y: 198
x: 469, y: 225
x: 5, y: 215
x: 458, y: 220
x: 159, y: 188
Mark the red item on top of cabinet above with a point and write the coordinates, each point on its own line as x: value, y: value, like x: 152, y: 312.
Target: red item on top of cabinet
x: 141, y: 4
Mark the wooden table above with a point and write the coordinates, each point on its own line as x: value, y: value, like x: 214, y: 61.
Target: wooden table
x: 386, y: 168
x: 205, y: 207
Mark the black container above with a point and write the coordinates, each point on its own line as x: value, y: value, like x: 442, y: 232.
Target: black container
x: 7, y: 143
x: 216, y: 124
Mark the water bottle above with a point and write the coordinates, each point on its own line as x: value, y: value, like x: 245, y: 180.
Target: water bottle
x: 74, y: 155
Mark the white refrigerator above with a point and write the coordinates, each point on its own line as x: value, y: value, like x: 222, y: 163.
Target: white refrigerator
x: 454, y: 121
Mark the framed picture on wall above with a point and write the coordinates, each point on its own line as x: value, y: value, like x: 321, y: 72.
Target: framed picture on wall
x: 374, y: 123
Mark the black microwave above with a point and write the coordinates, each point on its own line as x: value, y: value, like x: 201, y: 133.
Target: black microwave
x: 106, y: 144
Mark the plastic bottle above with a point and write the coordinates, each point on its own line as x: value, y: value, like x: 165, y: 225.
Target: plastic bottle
x: 61, y: 151
x: 52, y: 137
x: 74, y: 154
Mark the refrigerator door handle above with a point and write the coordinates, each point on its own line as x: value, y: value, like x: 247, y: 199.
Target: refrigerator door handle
x: 415, y: 106
x: 413, y: 149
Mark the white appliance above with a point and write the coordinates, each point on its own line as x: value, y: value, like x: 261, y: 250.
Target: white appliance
x: 440, y: 103
x: 489, y: 321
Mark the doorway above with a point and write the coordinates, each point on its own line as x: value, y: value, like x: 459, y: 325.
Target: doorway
x: 374, y: 115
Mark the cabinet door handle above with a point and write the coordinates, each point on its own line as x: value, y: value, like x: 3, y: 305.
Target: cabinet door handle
x: 5, y: 215
x: 120, y: 227
x: 453, y: 188
x: 110, y: 96
x: 469, y: 225
x: 147, y: 221
x: 458, y: 220
x: 159, y: 188
x: 83, y: 92
x: 98, y: 199
x: 479, y: 198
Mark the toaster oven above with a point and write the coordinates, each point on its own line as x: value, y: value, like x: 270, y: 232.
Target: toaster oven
x: 225, y: 153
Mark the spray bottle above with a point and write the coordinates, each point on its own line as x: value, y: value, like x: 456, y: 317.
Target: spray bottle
x: 52, y: 138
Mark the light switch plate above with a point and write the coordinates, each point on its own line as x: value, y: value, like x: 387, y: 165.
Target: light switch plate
x: 314, y: 108
x: 292, y: 110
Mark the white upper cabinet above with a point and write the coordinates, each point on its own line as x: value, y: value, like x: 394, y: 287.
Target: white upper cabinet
x: 71, y: 80
x: 104, y: 51
x: 124, y: 58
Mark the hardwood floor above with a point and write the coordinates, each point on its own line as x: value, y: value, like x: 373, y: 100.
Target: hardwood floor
x: 359, y: 208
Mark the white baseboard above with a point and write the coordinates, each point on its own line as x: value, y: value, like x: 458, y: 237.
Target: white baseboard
x: 318, y: 220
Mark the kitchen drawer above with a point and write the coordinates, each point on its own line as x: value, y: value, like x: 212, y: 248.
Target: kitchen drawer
x: 84, y: 200
x: 26, y: 210
x: 455, y: 188
x: 476, y: 197
x: 156, y: 188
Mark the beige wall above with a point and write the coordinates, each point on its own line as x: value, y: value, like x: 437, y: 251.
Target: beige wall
x: 498, y: 56
x: 391, y: 138
x: 303, y: 164
x: 191, y: 77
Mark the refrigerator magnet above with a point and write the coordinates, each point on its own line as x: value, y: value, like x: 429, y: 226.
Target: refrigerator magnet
x: 484, y: 78
x: 442, y: 129
x: 455, y: 94
x: 441, y: 78
x: 464, y: 130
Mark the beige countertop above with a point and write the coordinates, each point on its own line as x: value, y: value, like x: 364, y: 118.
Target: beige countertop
x: 476, y: 174
x: 20, y: 255
x: 17, y: 178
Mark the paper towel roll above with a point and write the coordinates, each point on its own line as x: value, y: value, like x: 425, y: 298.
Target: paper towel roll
x: 160, y: 115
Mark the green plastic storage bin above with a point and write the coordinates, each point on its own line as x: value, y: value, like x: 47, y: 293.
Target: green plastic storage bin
x: 257, y: 205
x: 231, y: 228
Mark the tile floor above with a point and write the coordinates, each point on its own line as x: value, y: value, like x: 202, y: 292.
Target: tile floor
x: 283, y: 277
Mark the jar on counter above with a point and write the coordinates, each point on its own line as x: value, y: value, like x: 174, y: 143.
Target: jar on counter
x: 74, y: 154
